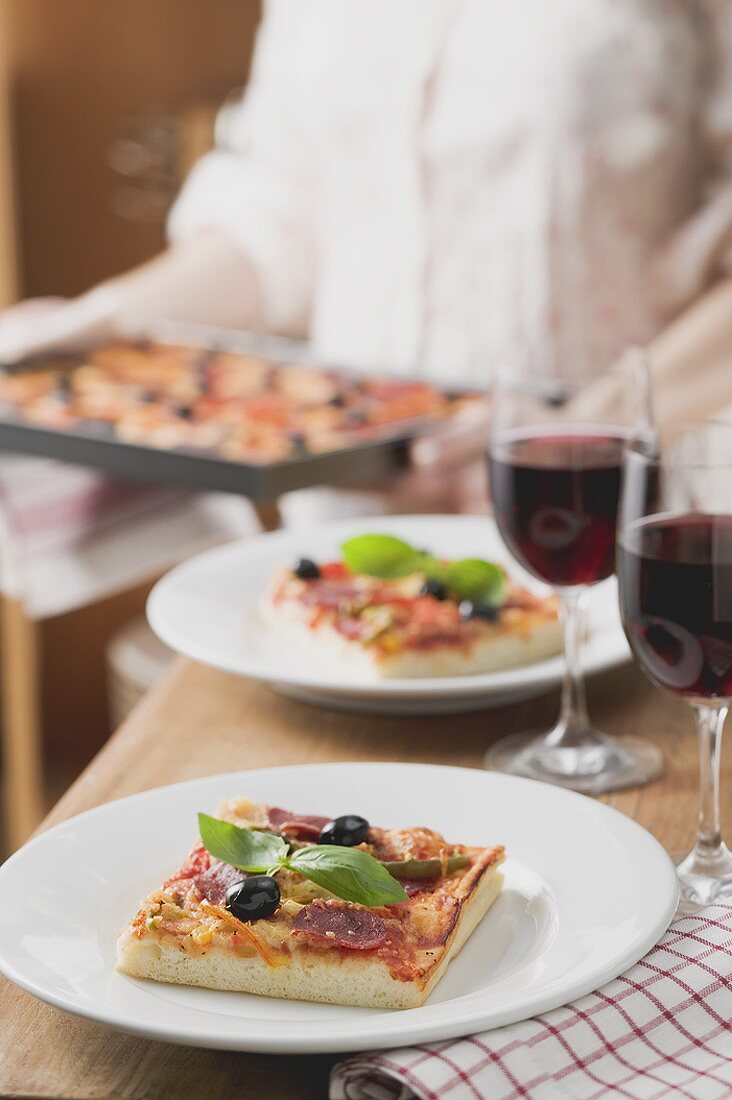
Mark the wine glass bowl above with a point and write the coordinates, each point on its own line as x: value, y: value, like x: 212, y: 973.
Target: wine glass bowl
x: 675, y: 587
x: 677, y: 577
x: 555, y: 474
x: 555, y: 498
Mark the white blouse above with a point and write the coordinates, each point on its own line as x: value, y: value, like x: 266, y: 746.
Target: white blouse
x: 433, y: 185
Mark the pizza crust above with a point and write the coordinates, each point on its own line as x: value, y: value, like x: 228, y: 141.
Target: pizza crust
x: 348, y: 978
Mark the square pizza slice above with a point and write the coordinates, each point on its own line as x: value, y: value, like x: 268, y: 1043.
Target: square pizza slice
x: 214, y: 925
x: 409, y: 626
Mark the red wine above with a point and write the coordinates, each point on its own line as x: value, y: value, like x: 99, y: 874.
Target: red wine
x: 555, y: 499
x: 676, y: 601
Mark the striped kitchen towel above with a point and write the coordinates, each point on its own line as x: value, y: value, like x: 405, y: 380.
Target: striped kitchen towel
x: 70, y: 536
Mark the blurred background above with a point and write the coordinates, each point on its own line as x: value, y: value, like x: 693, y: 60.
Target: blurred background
x: 108, y: 106
x: 103, y: 109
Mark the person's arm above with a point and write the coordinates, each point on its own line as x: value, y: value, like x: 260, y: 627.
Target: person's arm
x: 691, y: 372
x: 691, y: 359
x: 206, y: 278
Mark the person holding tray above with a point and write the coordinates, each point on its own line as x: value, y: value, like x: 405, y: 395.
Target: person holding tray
x: 397, y: 170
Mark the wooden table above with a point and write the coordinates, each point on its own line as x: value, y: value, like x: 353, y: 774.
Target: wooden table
x: 200, y: 722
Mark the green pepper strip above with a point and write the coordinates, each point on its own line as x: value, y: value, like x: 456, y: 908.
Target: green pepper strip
x: 425, y: 868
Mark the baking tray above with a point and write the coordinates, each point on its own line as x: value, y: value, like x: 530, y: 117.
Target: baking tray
x: 96, y: 445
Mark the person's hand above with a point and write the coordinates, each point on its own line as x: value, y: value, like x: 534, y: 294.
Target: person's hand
x: 18, y: 322
x: 43, y: 325
x: 448, y: 470
x: 206, y: 279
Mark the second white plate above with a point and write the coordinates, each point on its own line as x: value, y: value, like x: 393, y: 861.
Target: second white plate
x: 207, y: 608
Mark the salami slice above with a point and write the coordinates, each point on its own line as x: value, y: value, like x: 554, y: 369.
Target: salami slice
x: 329, y: 593
x: 211, y: 877
x: 341, y: 925
x: 302, y: 826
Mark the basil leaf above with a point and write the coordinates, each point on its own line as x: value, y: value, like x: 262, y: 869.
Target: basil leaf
x: 475, y: 579
x: 240, y: 847
x: 349, y: 873
x: 381, y: 556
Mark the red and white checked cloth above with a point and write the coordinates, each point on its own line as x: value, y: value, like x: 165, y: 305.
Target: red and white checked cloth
x: 662, y: 1029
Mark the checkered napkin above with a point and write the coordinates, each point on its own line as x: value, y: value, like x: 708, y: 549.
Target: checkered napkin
x: 662, y: 1029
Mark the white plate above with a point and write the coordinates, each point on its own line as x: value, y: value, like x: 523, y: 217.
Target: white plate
x: 587, y: 893
x: 207, y: 608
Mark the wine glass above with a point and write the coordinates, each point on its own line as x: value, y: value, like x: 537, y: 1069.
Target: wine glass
x: 675, y: 583
x: 555, y: 467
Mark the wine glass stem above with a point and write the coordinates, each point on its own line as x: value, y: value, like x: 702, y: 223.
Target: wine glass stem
x: 573, y: 722
x: 709, y: 725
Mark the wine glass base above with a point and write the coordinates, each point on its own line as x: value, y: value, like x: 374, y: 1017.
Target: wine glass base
x: 704, y: 877
x: 592, y: 766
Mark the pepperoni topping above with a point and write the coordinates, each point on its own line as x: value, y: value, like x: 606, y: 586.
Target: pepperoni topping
x: 340, y: 925
x: 300, y: 830
x: 214, y: 882
x: 330, y: 593
x: 301, y: 826
x: 211, y: 877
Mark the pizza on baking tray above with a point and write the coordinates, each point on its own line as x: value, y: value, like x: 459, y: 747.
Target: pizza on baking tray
x: 239, y: 406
